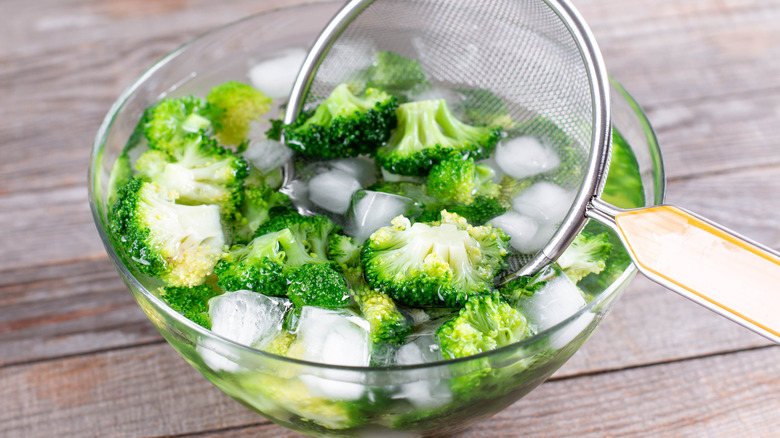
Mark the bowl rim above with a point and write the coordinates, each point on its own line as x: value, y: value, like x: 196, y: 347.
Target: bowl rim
x: 207, y: 336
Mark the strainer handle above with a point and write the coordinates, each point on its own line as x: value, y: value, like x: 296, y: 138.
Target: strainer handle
x: 702, y: 261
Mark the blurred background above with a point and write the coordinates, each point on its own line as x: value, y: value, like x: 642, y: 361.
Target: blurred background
x: 78, y: 357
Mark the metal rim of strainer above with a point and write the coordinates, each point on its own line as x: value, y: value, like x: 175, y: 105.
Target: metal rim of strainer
x: 601, y: 134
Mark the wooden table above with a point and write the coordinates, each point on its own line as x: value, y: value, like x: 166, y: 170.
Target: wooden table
x: 78, y: 358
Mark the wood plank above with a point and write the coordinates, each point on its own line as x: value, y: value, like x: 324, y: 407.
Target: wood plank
x: 667, y: 51
x: 720, y: 396
x: 145, y: 391
x: 718, y: 134
x: 46, y: 227
x: 68, y: 309
x: 148, y: 391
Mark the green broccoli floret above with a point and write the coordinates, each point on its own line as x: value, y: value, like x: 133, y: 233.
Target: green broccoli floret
x: 344, y: 125
x: 434, y: 264
x: 317, y: 285
x: 484, y: 108
x: 179, y: 244
x: 199, y: 171
x: 258, y: 204
x: 260, y: 265
x: 483, y: 324
x: 428, y: 133
x: 169, y: 121
x: 234, y: 106
x: 482, y: 210
x: 312, y: 232
x: 192, y: 302
x: 396, y: 74
x: 388, y: 324
x: 458, y: 180
x: 280, y: 344
x: 290, y: 400
x: 345, y: 254
x: 587, y: 254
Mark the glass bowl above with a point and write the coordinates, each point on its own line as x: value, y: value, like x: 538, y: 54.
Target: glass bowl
x: 323, y: 400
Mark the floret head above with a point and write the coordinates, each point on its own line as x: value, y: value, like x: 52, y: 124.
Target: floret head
x: 436, y: 264
x: 311, y: 232
x: 388, y: 324
x: 587, y: 254
x: 169, y: 121
x: 178, y: 243
x: 344, y: 125
x: 258, y: 205
x: 483, y: 324
x: 235, y: 105
x: 199, y: 171
x: 192, y: 302
x: 317, y: 285
x: 428, y: 133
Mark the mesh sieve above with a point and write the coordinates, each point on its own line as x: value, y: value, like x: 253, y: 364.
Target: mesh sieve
x: 537, y: 56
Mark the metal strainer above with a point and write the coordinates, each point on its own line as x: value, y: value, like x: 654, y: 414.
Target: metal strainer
x: 539, y: 57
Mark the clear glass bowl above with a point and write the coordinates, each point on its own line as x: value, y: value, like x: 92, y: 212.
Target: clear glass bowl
x: 421, y: 400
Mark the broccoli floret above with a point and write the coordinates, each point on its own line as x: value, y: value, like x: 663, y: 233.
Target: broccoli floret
x: 434, y: 264
x: 317, y: 285
x: 275, y: 131
x: 345, y: 254
x: 292, y: 400
x: 483, y: 324
x: 280, y: 344
x: 623, y: 187
x: 311, y: 232
x: 458, y: 180
x: 388, y: 324
x: 396, y: 74
x: 234, y: 106
x: 344, y: 125
x: 199, y: 171
x: 179, y: 244
x: 192, y: 302
x: 587, y: 254
x: 167, y: 123
x: 258, y: 266
x: 428, y: 133
x: 483, y: 209
x: 485, y: 108
x: 258, y: 204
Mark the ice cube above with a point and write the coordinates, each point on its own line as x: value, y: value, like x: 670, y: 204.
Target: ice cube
x: 247, y: 317
x: 362, y: 169
x: 373, y: 210
x: 521, y: 229
x: 545, y: 201
x: 244, y: 317
x: 275, y: 76
x: 522, y: 157
x: 335, y: 337
x: 332, y: 190
x: 557, y: 300
x: 428, y: 391
x: 267, y: 155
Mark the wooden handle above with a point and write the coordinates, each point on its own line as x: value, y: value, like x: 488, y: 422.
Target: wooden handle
x: 708, y: 264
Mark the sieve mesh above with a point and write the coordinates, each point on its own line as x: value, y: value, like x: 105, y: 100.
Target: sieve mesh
x: 522, y: 51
